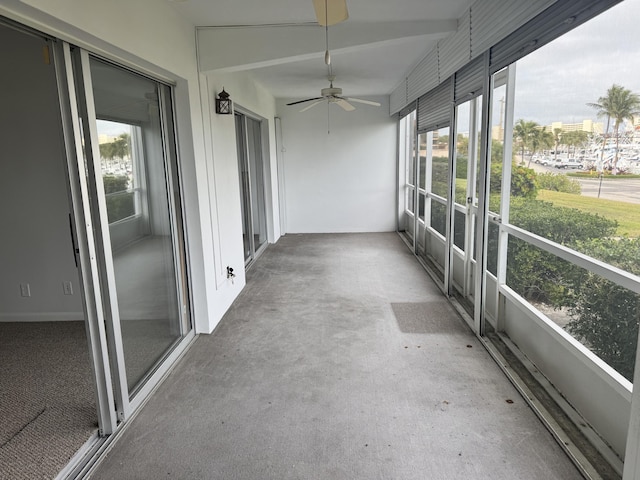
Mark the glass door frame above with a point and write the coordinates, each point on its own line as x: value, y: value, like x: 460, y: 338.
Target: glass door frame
x: 485, y: 217
x: 247, y: 195
x: 115, y: 404
x: 85, y: 248
x: 97, y: 206
x: 467, y: 290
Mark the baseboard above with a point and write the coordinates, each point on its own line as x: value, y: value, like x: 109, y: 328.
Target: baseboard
x: 41, y: 317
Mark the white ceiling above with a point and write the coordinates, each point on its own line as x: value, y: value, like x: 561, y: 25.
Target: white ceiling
x: 366, y: 59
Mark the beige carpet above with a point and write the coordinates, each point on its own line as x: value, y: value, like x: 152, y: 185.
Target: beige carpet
x: 47, y: 401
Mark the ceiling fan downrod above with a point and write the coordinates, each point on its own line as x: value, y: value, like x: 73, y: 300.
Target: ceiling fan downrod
x: 327, y: 55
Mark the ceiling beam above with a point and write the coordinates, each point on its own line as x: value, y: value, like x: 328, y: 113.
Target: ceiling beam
x: 248, y: 47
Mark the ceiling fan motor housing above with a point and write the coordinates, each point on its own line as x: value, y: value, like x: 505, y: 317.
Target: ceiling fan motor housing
x: 331, y: 92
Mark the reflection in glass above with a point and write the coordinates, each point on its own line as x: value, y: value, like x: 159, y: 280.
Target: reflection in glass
x: 459, y: 229
x: 492, y: 248
x: 421, y: 203
x: 410, y: 199
x: 438, y: 217
x: 409, y: 227
x: 423, y: 151
x: 256, y: 182
x: 497, y: 142
x: 463, y: 131
x: 252, y: 184
x: 139, y: 205
x: 120, y: 175
x: 440, y: 163
x: 243, y: 173
x: 411, y: 160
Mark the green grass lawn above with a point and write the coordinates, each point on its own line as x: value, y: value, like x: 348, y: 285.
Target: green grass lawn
x: 595, y: 176
x: 627, y: 215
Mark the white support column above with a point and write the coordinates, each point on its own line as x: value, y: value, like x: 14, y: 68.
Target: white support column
x: 632, y: 451
x: 481, y: 234
x: 505, y: 194
x: 86, y: 248
x: 472, y: 173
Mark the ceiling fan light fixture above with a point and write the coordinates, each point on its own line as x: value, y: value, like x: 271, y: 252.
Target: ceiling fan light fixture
x: 330, y: 12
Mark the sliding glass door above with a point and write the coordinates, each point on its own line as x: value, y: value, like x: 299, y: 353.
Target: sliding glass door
x: 137, y: 178
x: 99, y: 242
x: 462, y: 243
x: 252, y: 185
x: 134, y: 201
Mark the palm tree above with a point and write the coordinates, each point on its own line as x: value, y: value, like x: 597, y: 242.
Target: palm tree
x: 122, y: 146
x: 540, y: 139
x: 619, y: 104
x: 557, y: 140
x: 523, y: 131
x: 575, y: 139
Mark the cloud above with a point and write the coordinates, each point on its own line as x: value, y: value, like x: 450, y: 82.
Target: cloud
x: 556, y: 82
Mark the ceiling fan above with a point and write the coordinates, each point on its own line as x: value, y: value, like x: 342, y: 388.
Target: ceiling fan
x: 334, y: 95
x: 330, y: 12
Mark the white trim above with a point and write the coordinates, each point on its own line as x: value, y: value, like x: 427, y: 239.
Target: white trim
x: 36, y: 19
x: 87, y: 249
x: 81, y: 455
x: 621, y: 385
x: 220, y: 276
x: 632, y: 450
x: 614, y: 274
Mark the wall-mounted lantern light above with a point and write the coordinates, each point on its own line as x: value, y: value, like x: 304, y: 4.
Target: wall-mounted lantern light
x: 224, y: 106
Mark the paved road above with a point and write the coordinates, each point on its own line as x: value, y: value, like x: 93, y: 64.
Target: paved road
x: 621, y: 190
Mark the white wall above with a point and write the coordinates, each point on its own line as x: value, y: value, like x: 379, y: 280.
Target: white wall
x: 342, y: 181
x: 36, y: 246
x: 223, y: 171
x: 151, y: 37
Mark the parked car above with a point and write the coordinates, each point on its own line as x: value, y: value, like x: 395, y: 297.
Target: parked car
x: 570, y: 163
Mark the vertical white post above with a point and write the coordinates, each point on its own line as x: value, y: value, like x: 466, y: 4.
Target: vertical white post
x: 483, y: 199
x: 632, y: 451
x: 87, y: 250
x: 505, y: 194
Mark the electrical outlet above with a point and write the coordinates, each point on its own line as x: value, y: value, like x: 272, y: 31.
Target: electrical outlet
x: 25, y: 290
x: 67, y: 287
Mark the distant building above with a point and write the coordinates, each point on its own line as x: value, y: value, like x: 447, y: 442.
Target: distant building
x: 588, y: 126
x: 104, y: 138
x: 497, y: 133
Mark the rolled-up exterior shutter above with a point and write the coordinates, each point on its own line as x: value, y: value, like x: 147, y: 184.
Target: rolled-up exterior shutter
x: 434, y: 107
x: 556, y: 20
x: 407, y: 110
x: 469, y: 80
x: 398, y: 98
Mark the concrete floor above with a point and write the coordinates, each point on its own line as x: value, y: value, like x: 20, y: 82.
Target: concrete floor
x: 340, y: 360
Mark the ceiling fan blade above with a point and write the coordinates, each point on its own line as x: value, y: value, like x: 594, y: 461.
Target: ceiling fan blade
x: 330, y: 12
x: 366, y: 102
x: 302, y: 101
x: 312, y: 105
x: 345, y: 105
